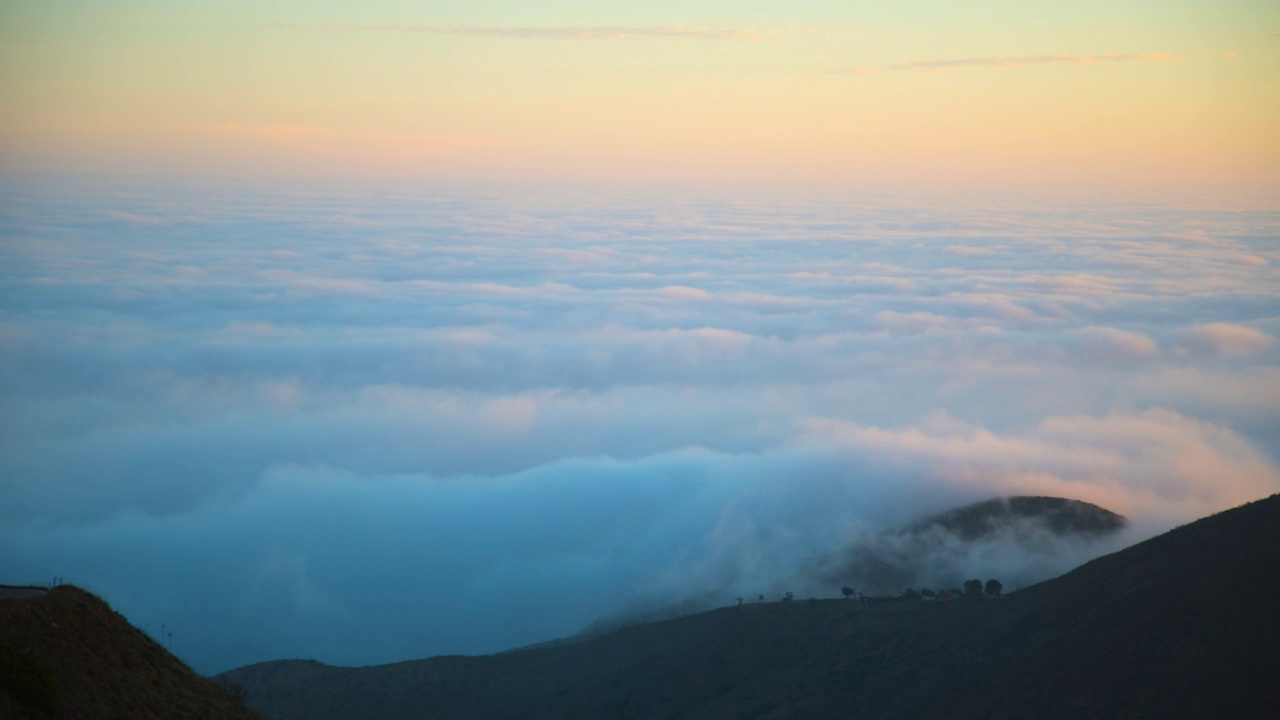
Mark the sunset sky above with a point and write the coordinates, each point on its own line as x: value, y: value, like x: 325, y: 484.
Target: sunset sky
x: 1092, y: 94
x: 529, y: 314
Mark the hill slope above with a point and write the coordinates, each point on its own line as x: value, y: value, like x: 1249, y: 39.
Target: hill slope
x: 1183, y: 625
x: 67, y: 654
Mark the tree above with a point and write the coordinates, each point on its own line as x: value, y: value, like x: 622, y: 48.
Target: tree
x: 910, y: 594
x: 926, y: 592
x: 787, y: 597
x: 973, y: 588
x: 994, y: 587
x: 847, y: 592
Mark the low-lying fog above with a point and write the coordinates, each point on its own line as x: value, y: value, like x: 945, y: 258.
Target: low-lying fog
x: 370, y: 423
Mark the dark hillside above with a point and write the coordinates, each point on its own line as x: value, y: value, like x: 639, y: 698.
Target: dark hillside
x: 1181, y: 626
x: 67, y: 654
x: 1184, y: 624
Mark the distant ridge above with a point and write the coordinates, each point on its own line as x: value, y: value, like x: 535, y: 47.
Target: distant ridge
x: 1180, y: 626
x: 896, y: 559
x: 933, y: 552
x: 1061, y: 516
x: 66, y: 655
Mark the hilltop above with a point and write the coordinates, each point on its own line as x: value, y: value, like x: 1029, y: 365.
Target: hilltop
x: 1060, y: 516
x: 65, y: 654
x: 1182, y: 625
x: 1043, y: 533
x: 1052, y: 531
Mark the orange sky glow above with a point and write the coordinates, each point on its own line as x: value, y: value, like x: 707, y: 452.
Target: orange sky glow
x: 1138, y: 95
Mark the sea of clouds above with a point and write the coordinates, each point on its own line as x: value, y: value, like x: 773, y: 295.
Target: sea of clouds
x: 367, y: 422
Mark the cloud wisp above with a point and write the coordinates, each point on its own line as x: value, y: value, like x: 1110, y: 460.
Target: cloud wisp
x: 1013, y: 61
x: 563, y: 32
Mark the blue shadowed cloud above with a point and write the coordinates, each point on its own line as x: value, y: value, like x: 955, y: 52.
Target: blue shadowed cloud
x: 369, y: 423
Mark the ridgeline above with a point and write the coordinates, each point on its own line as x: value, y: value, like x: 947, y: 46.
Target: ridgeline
x: 66, y: 655
x: 1181, y: 626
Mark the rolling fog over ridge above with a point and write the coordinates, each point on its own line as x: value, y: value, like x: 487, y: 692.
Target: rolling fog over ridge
x: 365, y: 423
x: 1025, y: 539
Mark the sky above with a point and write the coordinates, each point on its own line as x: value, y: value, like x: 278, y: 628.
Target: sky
x: 1151, y: 95
x: 368, y: 333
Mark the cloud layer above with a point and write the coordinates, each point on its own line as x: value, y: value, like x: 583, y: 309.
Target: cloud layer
x: 368, y: 423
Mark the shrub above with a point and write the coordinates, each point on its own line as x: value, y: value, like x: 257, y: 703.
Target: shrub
x: 234, y: 689
x: 28, y: 679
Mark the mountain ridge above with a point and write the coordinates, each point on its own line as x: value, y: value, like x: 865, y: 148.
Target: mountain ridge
x: 900, y: 557
x: 1159, y: 629
x: 66, y: 655
x: 1063, y: 516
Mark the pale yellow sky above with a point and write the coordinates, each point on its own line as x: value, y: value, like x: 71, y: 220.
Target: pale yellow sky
x: 1095, y: 94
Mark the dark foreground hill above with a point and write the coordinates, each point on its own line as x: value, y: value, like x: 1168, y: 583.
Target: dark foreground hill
x: 1181, y: 626
x: 67, y: 654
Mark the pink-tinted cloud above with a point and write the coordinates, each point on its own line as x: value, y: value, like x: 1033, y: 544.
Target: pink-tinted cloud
x: 683, y: 292
x: 1113, y: 343
x: 513, y: 414
x: 1225, y: 340
x: 913, y: 323
x: 1156, y: 463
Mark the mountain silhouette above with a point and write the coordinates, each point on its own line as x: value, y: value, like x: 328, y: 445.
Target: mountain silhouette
x: 938, y: 551
x: 1061, y: 516
x: 1180, y: 626
x: 66, y: 655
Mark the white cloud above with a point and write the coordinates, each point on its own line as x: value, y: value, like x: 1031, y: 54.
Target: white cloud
x: 571, y: 395
x: 684, y: 292
x: 1226, y: 340
x: 1107, y: 343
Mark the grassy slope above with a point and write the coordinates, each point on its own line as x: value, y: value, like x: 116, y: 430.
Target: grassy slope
x: 69, y: 655
x: 1183, y: 625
